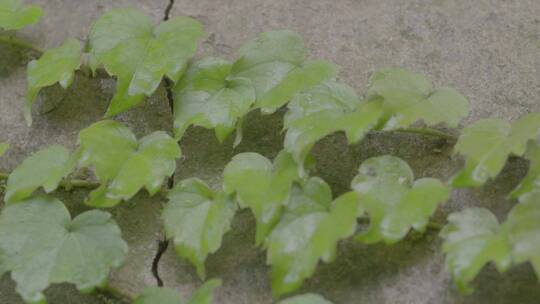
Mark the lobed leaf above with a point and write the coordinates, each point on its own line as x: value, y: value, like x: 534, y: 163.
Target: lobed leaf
x: 122, y: 164
x: 531, y: 182
x: 322, y: 110
x: 472, y: 238
x: 41, y: 245
x: 487, y: 144
x: 208, y: 96
x: 197, y: 218
x: 308, y: 232
x: 268, y: 59
x: 164, y: 295
x: 276, y: 64
x: 14, y: 15
x: 523, y: 230
x: 56, y: 65
x: 409, y: 97
x: 140, y: 54
x: 261, y: 186
x: 307, y: 298
x: 45, y: 168
x: 394, y: 201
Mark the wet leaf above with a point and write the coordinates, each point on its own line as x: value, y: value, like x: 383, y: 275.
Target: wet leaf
x: 395, y: 202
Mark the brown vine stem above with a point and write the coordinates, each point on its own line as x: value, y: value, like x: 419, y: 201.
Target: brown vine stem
x: 16, y: 42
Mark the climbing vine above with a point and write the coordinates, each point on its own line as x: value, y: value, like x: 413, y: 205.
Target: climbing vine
x: 298, y: 221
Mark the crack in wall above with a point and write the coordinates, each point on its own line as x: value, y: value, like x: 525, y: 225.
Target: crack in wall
x: 168, y: 10
x: 164, y: 243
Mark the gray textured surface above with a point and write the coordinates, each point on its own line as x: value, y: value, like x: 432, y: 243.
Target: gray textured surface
x: 488, y: 50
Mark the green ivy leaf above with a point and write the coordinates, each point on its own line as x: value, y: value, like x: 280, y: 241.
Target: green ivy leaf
x: 14, y: 16
x: 122, y: 164
x: 487, y: 144
x: 261, y: 186
x: 3, y: 148
x: 308, y: 231
x: 41, y: 245
x: 409, y: 97
x: 322, y: 110
x: 163, y: 295
x: 472, y: 238
x: 106, y: 145
x: 523, y: 230
x: 307, y: 298
x: 197, y: 218
x: 531, y: 182
x: 140, y: 54
x: 56, y: 65
x: 297, y: 80
x: 159, y: 295
x: 209, y: 97
x: 45, y: 168
x: 394, y: 202
x: 275, y: 64
x: 205, y: 293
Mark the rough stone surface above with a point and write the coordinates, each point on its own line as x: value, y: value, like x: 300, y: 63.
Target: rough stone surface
x: 487, y: 49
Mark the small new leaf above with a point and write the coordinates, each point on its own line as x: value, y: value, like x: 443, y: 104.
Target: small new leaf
x: 307, y: 298
x: 122, y: 164
x: 163, y: 295
x: 472, y: 238
x: 261, y: 186
x: 209, y: 97
x: 308, y: 232
x: 197, y: 218
x: 322, y: 110
x: 41, y: 245
x: 487, y: 144
x: 56, y: 65
x: 409, y: 97
x: 14, y: 15
x: 394, y: 202
x: 45, y: 168
x: 140, y: 54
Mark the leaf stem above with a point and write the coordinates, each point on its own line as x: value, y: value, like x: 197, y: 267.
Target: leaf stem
x: 431, y: 225
x: 16, y: 42
x: 112, y: 292
x: 66, y: 183
x: 428, y: 132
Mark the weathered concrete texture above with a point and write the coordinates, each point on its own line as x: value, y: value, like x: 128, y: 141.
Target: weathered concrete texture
x: 58, y: 117
x: 487, y: 49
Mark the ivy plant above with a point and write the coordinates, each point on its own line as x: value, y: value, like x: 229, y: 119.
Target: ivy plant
x: 299, y: 220
x: 14, y: 15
